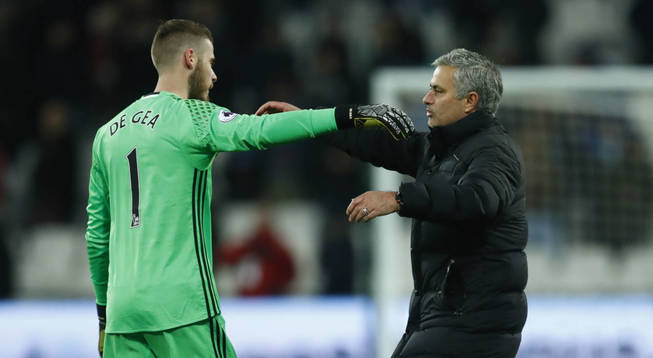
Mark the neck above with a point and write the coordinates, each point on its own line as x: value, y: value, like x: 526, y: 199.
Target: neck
x: 173, y: 83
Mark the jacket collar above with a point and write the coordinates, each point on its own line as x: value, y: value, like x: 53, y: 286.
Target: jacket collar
x: 443, y: 137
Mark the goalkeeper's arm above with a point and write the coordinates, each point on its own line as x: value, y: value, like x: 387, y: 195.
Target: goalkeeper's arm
x: 97, y: 236
x: 393, y: 120
x: 375, y: 146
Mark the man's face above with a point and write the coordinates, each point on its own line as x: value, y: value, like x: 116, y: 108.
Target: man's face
x: 202, y: 78
x: 442, y: 106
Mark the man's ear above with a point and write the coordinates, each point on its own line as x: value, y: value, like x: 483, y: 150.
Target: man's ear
x: 471, y: 100
x: 190, y: 60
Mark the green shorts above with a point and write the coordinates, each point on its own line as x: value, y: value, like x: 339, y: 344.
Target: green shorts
x: 205, y: 338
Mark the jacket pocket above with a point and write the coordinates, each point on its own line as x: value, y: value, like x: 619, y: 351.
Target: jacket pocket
x: 451, y: 291
x: 438, y: 303
x: 443, y: 286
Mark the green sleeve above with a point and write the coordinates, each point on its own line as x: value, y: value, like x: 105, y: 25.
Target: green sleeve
x: 223, y: 131
x: 99, y: 222
x: 250, y: 132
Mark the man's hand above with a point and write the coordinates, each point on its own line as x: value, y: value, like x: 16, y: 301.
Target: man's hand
x: 102, y: 317
x: 371, y: 204
x: 394, y: 120
x: 275, y: 107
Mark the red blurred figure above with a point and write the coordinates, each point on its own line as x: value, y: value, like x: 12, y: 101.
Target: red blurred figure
x: 267, y: 264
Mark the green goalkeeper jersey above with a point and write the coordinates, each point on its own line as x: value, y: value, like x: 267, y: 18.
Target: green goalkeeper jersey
x: 149, y: 221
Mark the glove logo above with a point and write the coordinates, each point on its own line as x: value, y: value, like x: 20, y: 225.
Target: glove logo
x: 225, y: 117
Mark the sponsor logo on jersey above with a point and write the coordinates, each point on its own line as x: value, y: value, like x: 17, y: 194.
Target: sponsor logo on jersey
x: 225, y: 117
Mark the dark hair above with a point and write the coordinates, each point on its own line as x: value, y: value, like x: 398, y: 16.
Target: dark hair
x: 172, y: 36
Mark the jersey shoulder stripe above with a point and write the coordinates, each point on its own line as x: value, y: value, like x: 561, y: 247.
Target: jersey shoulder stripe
x: 201, y: 113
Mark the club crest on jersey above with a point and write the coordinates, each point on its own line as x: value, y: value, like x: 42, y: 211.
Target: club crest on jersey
x: 225, y: 117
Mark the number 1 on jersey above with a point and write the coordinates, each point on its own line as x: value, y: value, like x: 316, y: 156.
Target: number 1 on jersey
x: 133, y: 172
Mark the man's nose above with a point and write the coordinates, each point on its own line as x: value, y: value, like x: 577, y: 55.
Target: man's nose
x: 426, y: 99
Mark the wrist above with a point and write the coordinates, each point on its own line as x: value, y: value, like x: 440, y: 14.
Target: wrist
x: 398, y: 200
x: 101, y: 314
x: 344, y: 116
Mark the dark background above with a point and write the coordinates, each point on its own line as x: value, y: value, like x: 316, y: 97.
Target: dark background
x: 70, y: 66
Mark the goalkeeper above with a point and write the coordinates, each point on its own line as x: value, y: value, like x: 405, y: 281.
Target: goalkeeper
x: 149, y: 221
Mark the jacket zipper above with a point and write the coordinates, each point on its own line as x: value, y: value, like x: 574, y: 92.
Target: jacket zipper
x: 443, y: 285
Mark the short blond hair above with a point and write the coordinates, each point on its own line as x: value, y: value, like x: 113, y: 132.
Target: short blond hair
x: 172, y: 36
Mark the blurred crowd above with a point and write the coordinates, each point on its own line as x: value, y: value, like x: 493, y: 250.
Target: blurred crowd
x: 69, y: 66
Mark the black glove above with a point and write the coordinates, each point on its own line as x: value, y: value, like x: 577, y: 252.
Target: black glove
x: 394, y: 120
x: 102, y: 317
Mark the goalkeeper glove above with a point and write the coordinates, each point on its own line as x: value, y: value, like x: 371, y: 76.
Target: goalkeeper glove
x: 102, y: 317
x: 394, y: 120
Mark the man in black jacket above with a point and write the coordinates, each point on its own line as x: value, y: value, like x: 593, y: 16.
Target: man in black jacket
x: 467, y: 203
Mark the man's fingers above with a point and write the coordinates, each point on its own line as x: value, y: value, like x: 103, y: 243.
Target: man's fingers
x: 354, y: 210
x: 354, y: 215
x: 352, y: 205
x: 265, y: 108
x: 371, y: 215
x: 362, y: 213
x: 276, y: 107
x: 358, y: 211
x: 270, y: 107
x: 350, y: 208
x: 261, y: 110
x: 357, y: 215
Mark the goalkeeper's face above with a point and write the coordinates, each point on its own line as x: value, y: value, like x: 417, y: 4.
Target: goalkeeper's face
x: 442, y: 106
x: 202, y: 78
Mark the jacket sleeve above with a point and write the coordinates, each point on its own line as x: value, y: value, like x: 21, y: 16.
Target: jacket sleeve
x: 484, y: 190
x: 97, y: 232
x: 378, y: 148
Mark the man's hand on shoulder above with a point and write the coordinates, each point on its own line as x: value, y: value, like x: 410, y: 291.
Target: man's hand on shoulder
x: 275, y: 107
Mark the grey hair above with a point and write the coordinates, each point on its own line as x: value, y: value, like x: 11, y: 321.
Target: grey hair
x: 474, y: 72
